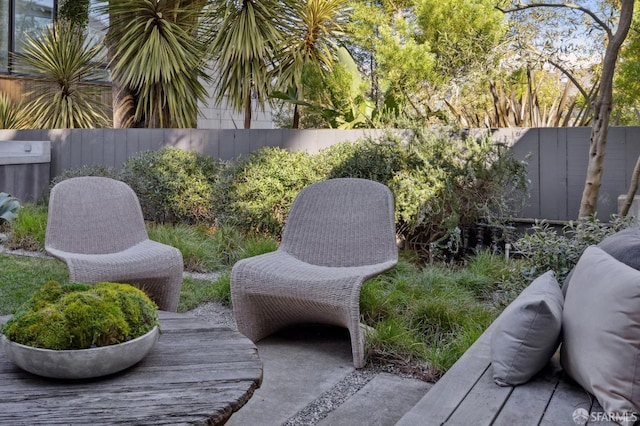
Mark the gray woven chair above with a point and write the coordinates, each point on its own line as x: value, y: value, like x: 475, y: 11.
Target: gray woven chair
x: 96, y: 227
x: 339, y: 233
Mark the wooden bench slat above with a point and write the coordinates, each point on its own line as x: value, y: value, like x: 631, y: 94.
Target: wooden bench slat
x: 445, y: 396
x: 527, y: 404
x: 483, y: 403
x: 567, y: 398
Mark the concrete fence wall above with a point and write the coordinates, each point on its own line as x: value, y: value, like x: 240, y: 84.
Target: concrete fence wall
x: 557, y: 157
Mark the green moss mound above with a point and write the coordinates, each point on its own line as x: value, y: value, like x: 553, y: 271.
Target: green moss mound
x: 81, y: 316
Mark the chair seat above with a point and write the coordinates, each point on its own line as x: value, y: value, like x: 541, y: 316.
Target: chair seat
x: 288, y: 277
x: 147, y: 263
x: 147, y: 259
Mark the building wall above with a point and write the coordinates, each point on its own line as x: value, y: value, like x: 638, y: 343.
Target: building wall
x: 223, y: 117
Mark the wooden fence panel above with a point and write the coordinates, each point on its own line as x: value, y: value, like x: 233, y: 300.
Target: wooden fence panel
x: 557, y: 157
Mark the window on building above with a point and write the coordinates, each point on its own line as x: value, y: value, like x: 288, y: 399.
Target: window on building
x: 20, y: 17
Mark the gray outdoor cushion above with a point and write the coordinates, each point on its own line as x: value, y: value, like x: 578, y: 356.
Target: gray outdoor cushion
x: 624, y: 246
x: 527, y: 333
x: 601, y: 331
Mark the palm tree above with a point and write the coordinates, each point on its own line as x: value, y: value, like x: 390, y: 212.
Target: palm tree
x: 64, y: 67
x: 313, y: 42
x: 246, y: 34
x: 157, y: 62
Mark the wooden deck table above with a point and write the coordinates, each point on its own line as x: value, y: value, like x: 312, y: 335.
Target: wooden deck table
x: 197, y: 373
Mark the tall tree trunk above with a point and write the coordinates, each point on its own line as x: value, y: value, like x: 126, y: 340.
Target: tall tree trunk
x: 633, y: 187
x: 247, y: 113
x: 602, y: 112
x: 123, y: 107
x: 296, y: 117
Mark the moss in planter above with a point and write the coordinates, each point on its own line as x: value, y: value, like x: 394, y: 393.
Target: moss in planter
x: 80, y: 316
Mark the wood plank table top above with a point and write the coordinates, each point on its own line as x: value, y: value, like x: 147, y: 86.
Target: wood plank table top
x: 197, y: 373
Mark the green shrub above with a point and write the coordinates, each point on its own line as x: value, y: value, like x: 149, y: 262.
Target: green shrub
x: 546, y: 248
x: 80, y: 316
x: 87, y: 170
x: 90, y: 170
x: 255, y: 192
x: 173, y: 185
x: 441, y: 182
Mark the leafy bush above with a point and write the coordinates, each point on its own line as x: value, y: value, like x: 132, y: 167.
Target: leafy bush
x: 173, y: 185
x: 255, y: 192
x: 440, y: 182
x: 547, y: 248
x: 79, y: 316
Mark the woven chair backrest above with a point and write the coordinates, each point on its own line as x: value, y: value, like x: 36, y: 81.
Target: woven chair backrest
x: 94, y: 215
x: 341, y: 223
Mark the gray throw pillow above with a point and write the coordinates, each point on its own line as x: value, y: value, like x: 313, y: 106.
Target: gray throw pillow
x: 527, y: 333
x: 601, y: 331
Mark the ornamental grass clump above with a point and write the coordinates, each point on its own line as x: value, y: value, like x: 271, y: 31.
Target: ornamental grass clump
x: 82, y: 316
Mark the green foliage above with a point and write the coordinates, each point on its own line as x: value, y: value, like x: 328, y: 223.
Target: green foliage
x: 173, y: 185
x: 626, y: 105
x: 22, y: 276
x: 28, y: 230
x: 80, y: 316
x: 459, y: 32
x: 440, y: 182
x: 246, y: 38
x: 75, y: 11
x: 428, y: 317
x: 547, y: 248
x: 195, y: 292
x: 11, y: 115
x: 223, y: 289
x: 157, y: 57
x: 85, y: 170
x: 9, y: 207
x: 65, y: 66
x: 203, y: 248
x: 311, y: 44
x: 258, y: 189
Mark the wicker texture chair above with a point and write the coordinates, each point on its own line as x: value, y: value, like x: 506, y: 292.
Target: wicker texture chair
x: 96, y: 227
x: 339, y: 233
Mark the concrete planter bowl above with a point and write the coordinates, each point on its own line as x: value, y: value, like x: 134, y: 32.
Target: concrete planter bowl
x: 80, y: 363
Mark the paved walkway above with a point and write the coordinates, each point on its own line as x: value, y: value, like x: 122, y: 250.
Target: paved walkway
x: 309, y: 379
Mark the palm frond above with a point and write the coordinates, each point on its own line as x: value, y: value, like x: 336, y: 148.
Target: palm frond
x: 156, y: 54
x: 65, y: 65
